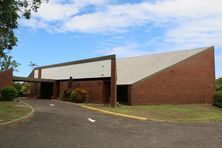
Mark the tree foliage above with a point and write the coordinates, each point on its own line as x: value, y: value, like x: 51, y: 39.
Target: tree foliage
x: 8, y: 93
x: 33, y: 65
x: 6, y: 62
x: 23, y: 89
x: 10, y: 12
x: 26, y: 88
x: 219, y: 84
x: 18, y: 87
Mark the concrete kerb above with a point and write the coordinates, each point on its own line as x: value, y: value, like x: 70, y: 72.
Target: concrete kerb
x: 22, y: 118
x: 113, y: 113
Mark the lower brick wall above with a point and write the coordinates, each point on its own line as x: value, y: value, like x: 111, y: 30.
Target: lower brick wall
x: 32, y: 89
x: 32, y: 85
x: 6, y: 78
x: 191, y: 81
x: 96, y: 88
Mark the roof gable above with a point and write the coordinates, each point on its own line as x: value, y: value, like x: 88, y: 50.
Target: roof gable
x: 133, y: 69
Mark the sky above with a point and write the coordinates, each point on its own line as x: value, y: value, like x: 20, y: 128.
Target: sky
x: 68, y: 30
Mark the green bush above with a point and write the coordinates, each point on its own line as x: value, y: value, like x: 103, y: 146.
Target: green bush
x: 8, y: 93
x: 66, y: 95
x: 18, y: 87
x: 219, y: 84
x: 79, y: 95
x: 25, y: 89
x: 218, y: 99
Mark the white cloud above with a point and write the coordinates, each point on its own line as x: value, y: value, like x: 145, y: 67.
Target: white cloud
x: 58, y: 11
x: 34, y: 23
x: 111, y: 18
x: 187, y: 23
x: 116, y: 17
x: 54, y: 11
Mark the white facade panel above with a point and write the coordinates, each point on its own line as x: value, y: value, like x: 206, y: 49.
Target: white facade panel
x: 95, y: 69
x: 36, y: 73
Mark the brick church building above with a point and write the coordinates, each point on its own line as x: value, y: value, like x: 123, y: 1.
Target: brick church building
x: 179, y: 77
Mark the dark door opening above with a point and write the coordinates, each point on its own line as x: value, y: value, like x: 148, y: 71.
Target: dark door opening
x: 46, y: 90
x: 122, y: 94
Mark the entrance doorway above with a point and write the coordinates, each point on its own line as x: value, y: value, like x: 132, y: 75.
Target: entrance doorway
x: 122, y: 94
x: 46, y: 90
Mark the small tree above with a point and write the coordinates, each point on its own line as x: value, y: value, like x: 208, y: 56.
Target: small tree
x: 18, y: 87
x: 25, y: 88
x: 6, y: 62
x: 33, y: 65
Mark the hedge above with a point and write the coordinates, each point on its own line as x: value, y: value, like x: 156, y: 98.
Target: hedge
x: 218, y: 99
x: 8, y: 93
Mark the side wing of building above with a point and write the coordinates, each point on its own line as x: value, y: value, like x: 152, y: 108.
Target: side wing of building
x: 189, y: 81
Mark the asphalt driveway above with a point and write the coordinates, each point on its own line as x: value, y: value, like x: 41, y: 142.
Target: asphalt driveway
x: 67, y: 126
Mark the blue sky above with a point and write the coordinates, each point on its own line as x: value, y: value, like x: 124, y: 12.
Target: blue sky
x: 67, y: 30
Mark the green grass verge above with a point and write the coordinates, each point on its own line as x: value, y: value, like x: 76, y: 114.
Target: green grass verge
x: 173, y: 113
x: 13, y: 110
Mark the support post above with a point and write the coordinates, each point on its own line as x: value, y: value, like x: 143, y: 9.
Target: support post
x: 39, y: 84
x: 113, y: 82
x: 55, y: 89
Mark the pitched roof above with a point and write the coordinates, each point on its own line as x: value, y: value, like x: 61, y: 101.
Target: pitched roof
x: 133, y: 69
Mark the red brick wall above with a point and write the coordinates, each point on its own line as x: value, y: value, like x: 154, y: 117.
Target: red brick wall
x: 63, y: 86
x: 31, y: 85
x: 96, y: 88
x: 190, y: 81
x: 6, y: 78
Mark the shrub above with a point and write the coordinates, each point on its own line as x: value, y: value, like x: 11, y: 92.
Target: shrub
x: 8, y: 93
x: 66, y: 95
x: 18, y: 87
x: 219, y: 84
x: 218, y: 99
x: 79, y: 95
x: 25, y: 89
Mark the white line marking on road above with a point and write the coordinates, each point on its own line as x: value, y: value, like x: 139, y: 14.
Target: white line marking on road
x: 51, y: 105
x: 91, y: 120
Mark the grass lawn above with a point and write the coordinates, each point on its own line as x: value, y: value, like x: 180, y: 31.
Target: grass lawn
x: 175, y: 113
x: 13, y: 110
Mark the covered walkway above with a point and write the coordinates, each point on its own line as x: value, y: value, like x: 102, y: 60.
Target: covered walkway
x: 27, y: 79
x: 41, y: 88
